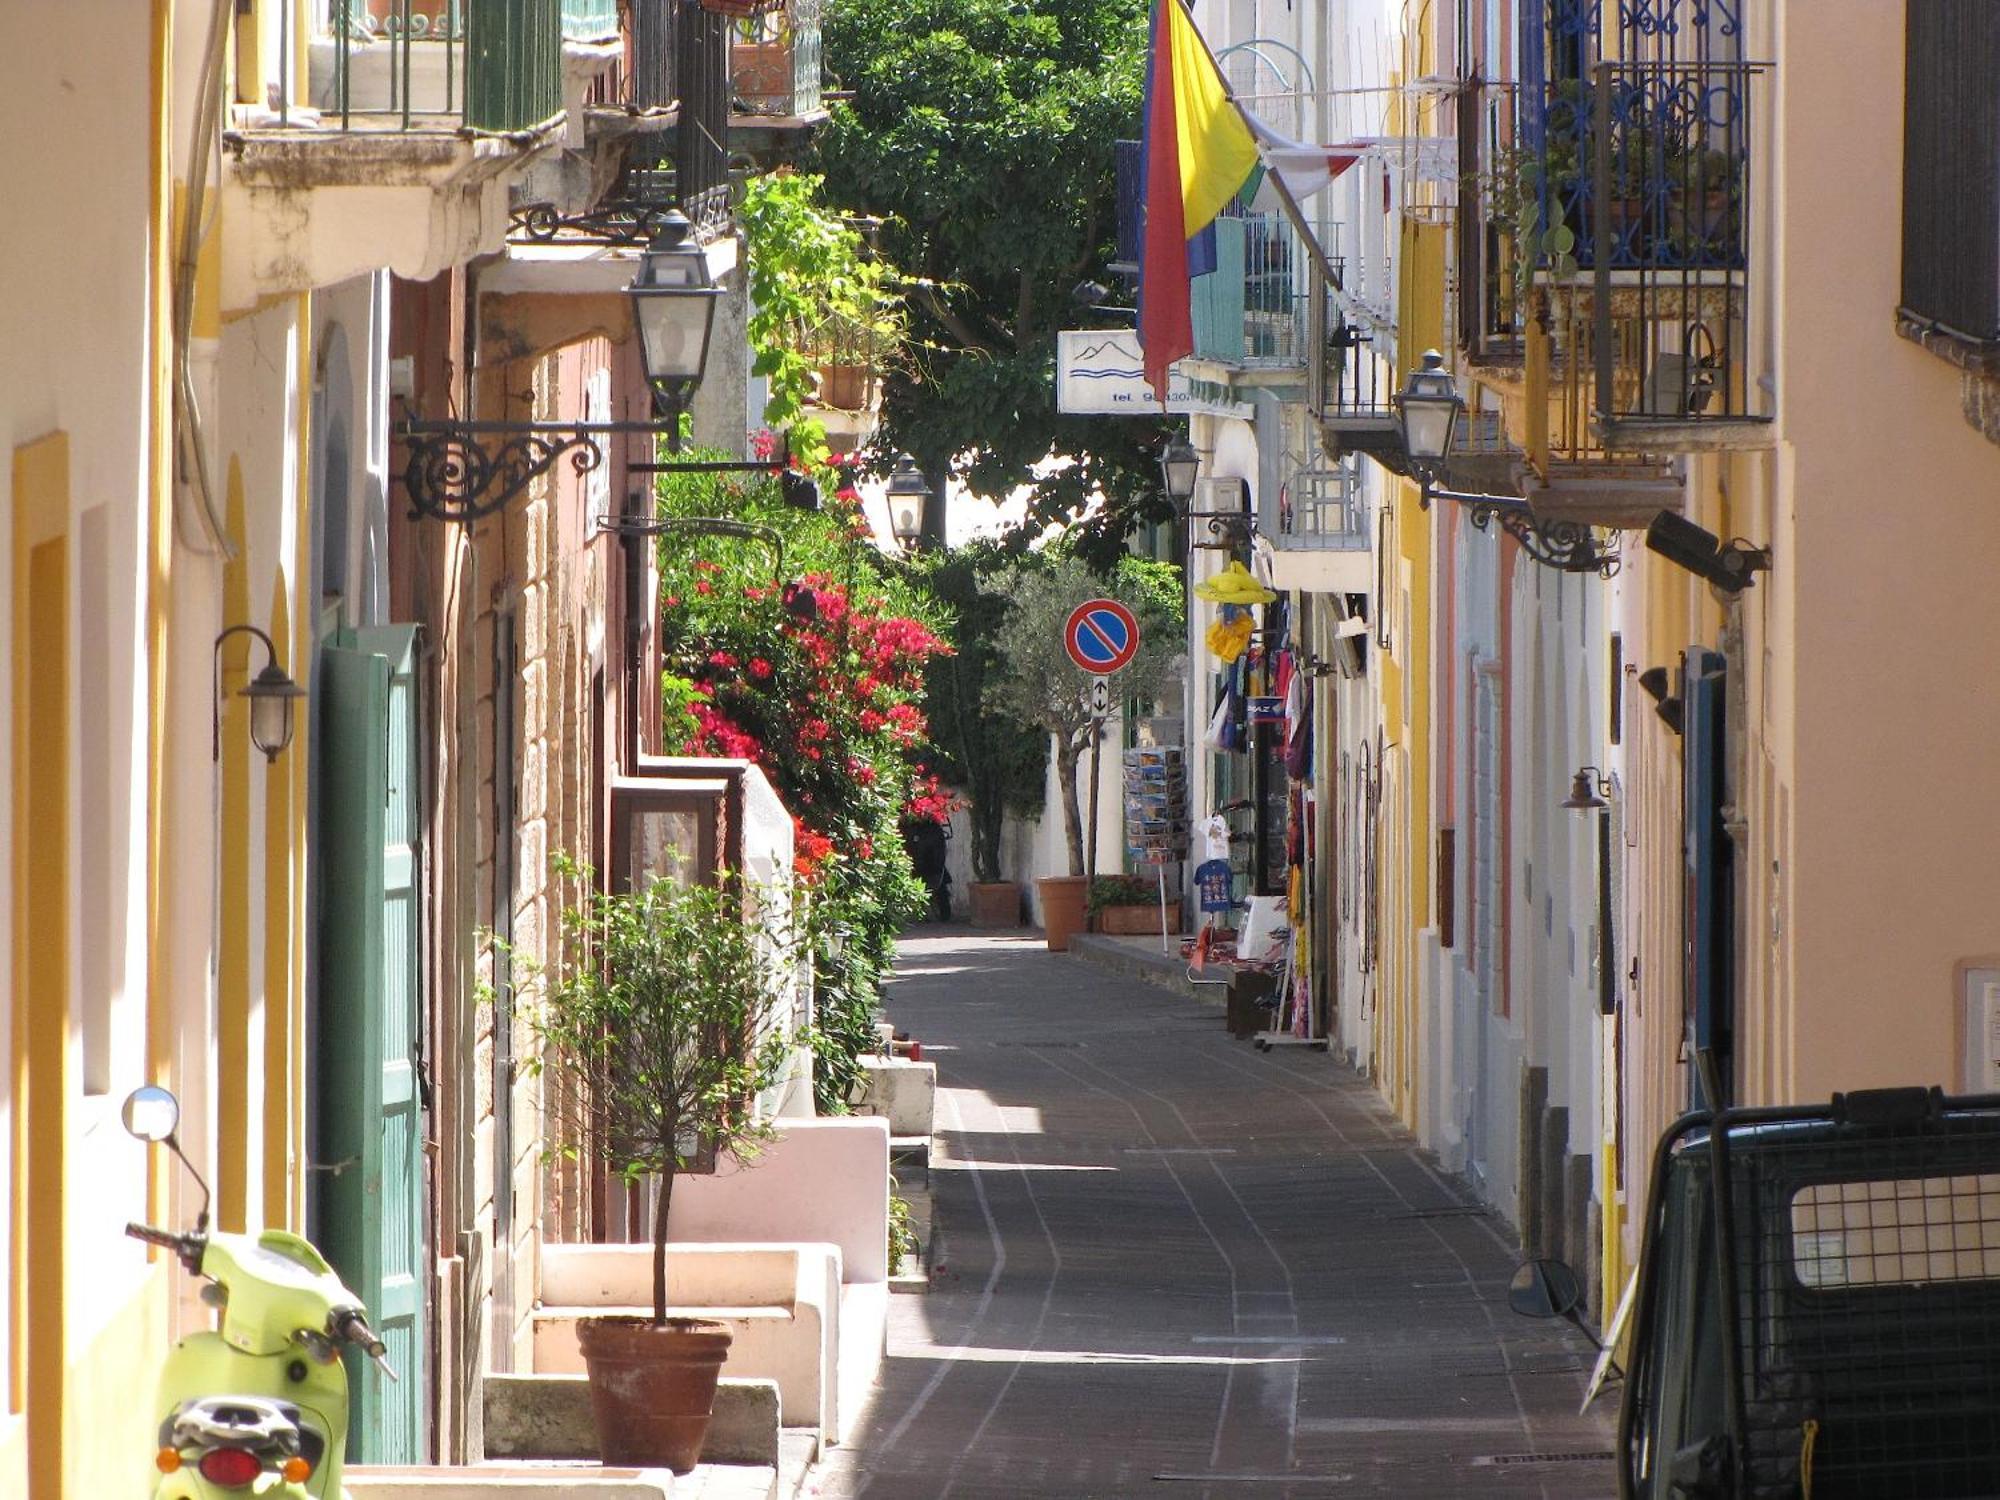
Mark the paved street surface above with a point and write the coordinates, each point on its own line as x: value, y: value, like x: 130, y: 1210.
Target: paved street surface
x: 1172, y: 1265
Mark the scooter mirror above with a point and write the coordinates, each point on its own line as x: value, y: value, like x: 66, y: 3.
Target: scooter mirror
x: 152, y: 1113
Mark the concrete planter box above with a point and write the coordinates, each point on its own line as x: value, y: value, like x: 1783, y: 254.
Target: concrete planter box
x: 1135, y: 921
x: 995, y: 903
x: 901, y: 1091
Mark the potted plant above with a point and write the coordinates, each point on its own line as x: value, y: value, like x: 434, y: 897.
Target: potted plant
x: 1129, y: 906
x: 1037, y: 684
x: 1704, y: 189
x: 760, y: 62
x: 663, y: 1020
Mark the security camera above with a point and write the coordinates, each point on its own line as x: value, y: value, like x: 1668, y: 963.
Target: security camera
x: 1730, y: 565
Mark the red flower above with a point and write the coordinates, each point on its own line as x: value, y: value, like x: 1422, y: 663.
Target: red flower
x: 759, y: 668
x: 701, y: 586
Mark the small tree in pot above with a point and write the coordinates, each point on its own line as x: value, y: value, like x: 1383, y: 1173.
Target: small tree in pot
x: 663, y: 1020
x: 1038, y: 684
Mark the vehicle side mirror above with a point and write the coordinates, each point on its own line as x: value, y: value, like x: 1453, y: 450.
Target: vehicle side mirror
x: 1544, y: 1289
x: 152, y: 1113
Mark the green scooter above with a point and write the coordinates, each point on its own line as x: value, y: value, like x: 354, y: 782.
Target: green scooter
x: 257, y: 1407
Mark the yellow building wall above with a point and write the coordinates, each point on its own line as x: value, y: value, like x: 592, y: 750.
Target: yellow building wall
x: 1408, y: 895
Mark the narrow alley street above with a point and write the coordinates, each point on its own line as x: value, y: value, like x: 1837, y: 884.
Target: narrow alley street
x: 1170, y: 1264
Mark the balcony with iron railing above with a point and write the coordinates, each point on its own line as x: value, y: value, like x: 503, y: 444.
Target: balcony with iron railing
x: 1606, y: 272
x: 774, y: 64
x: 1251, y: 310
x: 395, y: 132
x: 1318, y: 508
x: 665, y: 108
x: 491, y: 66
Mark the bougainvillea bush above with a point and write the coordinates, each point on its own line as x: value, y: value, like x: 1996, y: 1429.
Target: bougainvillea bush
x: 816, y: 673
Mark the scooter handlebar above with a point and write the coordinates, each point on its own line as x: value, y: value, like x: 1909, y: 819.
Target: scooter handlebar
x: 354, y: 1328
x: 186, y: 1246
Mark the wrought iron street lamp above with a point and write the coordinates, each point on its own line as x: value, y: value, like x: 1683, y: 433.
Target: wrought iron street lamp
x: 673, y: 304
x: 1428, y: 409
x: 1589, y: 790
x: 1179, y: 466
x: 1427, y: 412
x: 908, y: 495
x: 271, y: 693
x: 455, y: 474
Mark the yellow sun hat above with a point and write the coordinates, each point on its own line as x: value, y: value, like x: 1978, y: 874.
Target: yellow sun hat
x: 1234, y: 585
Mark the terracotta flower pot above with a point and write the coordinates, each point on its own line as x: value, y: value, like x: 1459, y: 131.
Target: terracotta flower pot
x: 995, y: 903
x: 652, y: 1388
x: 1064, y: 898
x: 1135, y: 921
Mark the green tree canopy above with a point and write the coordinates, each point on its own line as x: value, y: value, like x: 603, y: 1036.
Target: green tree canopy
x: 982, y: 131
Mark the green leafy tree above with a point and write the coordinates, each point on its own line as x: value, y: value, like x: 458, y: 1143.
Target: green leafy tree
x: 664, y: 1017
x: 1038, y: 684
x: 1000, y: 760
x: 982, y: 132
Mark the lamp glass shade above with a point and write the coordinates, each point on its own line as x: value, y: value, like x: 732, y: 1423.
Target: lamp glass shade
x: 1427, y: 410
x: 906, y: 517
x: 673, y: 303
x: 907, y: 494
x: 674, y: 326
x: 1179, y: 466
x: 271, y: 694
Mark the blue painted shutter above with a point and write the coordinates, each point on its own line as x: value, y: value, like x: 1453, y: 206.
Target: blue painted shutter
x: 1708, y: 917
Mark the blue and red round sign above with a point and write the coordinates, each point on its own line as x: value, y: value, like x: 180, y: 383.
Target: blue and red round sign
x: 1101, y: 636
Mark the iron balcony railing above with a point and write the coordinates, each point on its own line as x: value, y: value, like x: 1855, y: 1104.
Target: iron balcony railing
x: 1320, y: 508
x: 1622, y: 207
x: 1350, y: 379
x: 774, y: 61
x: 1254, y: 308
x: 1951, y: 168
x: 482, y: 65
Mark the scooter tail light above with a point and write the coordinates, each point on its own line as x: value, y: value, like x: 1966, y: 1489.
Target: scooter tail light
x: 167, y: 1460
x: 296, y: 1470
x: 234, y: 1467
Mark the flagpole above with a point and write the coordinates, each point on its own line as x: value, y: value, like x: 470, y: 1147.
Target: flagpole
x: 1285, y: 199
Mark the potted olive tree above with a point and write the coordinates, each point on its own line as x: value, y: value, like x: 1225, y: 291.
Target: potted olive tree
x: 1038, y: 684
x: 664, y: 1021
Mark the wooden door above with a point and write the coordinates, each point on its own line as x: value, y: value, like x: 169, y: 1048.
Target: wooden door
x: 370, y: 1219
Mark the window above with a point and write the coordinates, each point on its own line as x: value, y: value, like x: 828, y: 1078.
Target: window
x: 1951, y: 170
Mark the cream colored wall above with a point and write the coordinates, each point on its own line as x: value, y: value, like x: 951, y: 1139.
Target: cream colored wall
x: 82, y: 361
x: 67, y: 93
x: 1887, y: 528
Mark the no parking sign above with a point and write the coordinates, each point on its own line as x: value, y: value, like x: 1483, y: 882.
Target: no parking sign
x: 1101, y: 636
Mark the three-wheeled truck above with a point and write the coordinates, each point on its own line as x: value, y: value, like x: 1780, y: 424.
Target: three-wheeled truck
x: 1817, y: 1315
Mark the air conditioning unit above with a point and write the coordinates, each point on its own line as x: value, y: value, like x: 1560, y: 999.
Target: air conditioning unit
x: 1220, y: 517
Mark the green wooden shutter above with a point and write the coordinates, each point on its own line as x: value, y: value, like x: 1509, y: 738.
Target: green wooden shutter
x: 370, y: 1221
